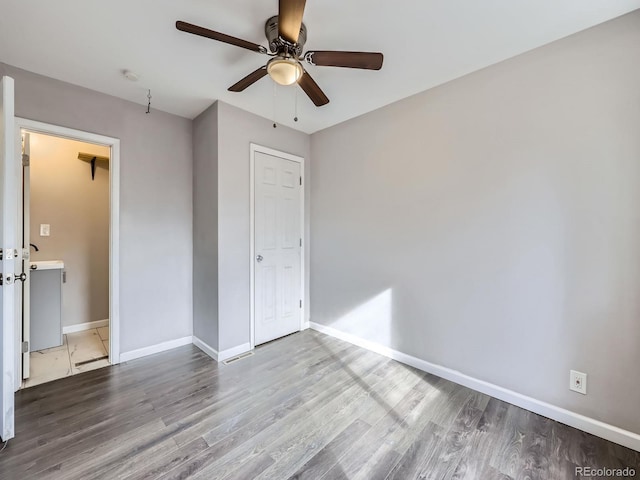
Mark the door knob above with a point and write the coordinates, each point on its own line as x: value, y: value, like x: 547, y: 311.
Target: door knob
x: 22, y: 277
x: 259, y: 258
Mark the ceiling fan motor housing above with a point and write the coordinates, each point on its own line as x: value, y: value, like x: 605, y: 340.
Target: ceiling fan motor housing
x: 278, y: 44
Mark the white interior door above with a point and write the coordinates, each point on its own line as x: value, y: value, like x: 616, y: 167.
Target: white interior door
x: 9, y: 171
x: 278, y: 239
x: 26, y: 256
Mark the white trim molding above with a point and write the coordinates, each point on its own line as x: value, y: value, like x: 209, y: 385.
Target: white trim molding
x: 233, y: 352
x: 81, y: 327
x: 576, y: 420
x: 206, y: 348
x: 160, y: 347
x: 180, y: 342
x: 225, y: 354
x: 114, y: 254
x: 114, y: 211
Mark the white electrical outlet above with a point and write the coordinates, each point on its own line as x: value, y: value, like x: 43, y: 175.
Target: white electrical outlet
x: 578, y: 382
x: 45, y: 229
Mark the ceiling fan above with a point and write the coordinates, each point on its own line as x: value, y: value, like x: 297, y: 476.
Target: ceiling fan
x: 287, y: 35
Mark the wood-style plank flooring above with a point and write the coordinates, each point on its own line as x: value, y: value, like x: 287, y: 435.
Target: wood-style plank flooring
x: 306, y: 406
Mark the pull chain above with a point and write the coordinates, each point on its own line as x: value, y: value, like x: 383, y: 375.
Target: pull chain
x: 149, y: 103
x: 274, y: 104
x: 295, y: 119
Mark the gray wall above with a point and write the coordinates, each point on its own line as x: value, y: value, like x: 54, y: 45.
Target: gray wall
x: 76, y: 207
x: 237, y: 129
x: 205, y: 226
x: 155, y: 200
x: 492, y: 225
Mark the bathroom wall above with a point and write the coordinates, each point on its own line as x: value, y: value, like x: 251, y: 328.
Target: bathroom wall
x: 76, y: 207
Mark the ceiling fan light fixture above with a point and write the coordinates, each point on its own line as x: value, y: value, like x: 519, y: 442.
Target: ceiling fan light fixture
x: 284, y: 71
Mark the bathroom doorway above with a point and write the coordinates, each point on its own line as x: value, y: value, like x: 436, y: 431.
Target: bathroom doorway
x: 68, y: 253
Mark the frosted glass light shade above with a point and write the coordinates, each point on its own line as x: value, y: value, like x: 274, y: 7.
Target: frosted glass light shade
x: 285, y: 71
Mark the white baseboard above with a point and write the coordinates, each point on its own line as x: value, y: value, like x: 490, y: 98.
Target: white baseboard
x: 220, y: 356
x: 81, y: 327
x: 306, y: 326
x: 581, y: 422
x: 160, y: 347
x: 206, y: 348
x: 232, y: 352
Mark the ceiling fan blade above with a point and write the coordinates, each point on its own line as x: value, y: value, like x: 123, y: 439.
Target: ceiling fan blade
x: 312, y: 90
x: 290, y: 14
x: 221, y: 37
x: 249, y: 80
x: 328, y: 58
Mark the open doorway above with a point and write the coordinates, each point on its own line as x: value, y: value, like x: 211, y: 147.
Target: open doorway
x: 66, y: 228
x: 70, y: 210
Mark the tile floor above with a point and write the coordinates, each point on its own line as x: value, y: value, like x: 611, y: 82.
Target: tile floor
x: 59, y: 362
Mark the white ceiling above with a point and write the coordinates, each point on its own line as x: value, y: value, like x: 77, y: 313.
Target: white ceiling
x: 425, y: 42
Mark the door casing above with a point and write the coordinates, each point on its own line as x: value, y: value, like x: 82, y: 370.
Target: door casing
x: 252, y: 162
x: 34, y: 126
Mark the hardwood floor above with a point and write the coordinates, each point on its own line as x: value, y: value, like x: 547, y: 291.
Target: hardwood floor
x: 307, y: 407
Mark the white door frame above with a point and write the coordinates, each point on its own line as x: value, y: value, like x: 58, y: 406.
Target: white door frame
x: 252, y: 188
x: 114, y: 213
x: 25, y: 305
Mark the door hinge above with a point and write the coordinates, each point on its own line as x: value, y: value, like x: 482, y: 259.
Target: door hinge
x: 25, y: 160
x: 11, y: 253
x: 25, y: 347
x: 300, y: 242
x: 300, y: 303
x: 300, y: 180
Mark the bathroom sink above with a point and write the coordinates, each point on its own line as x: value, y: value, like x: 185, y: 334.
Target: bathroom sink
x: 46, y: 265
